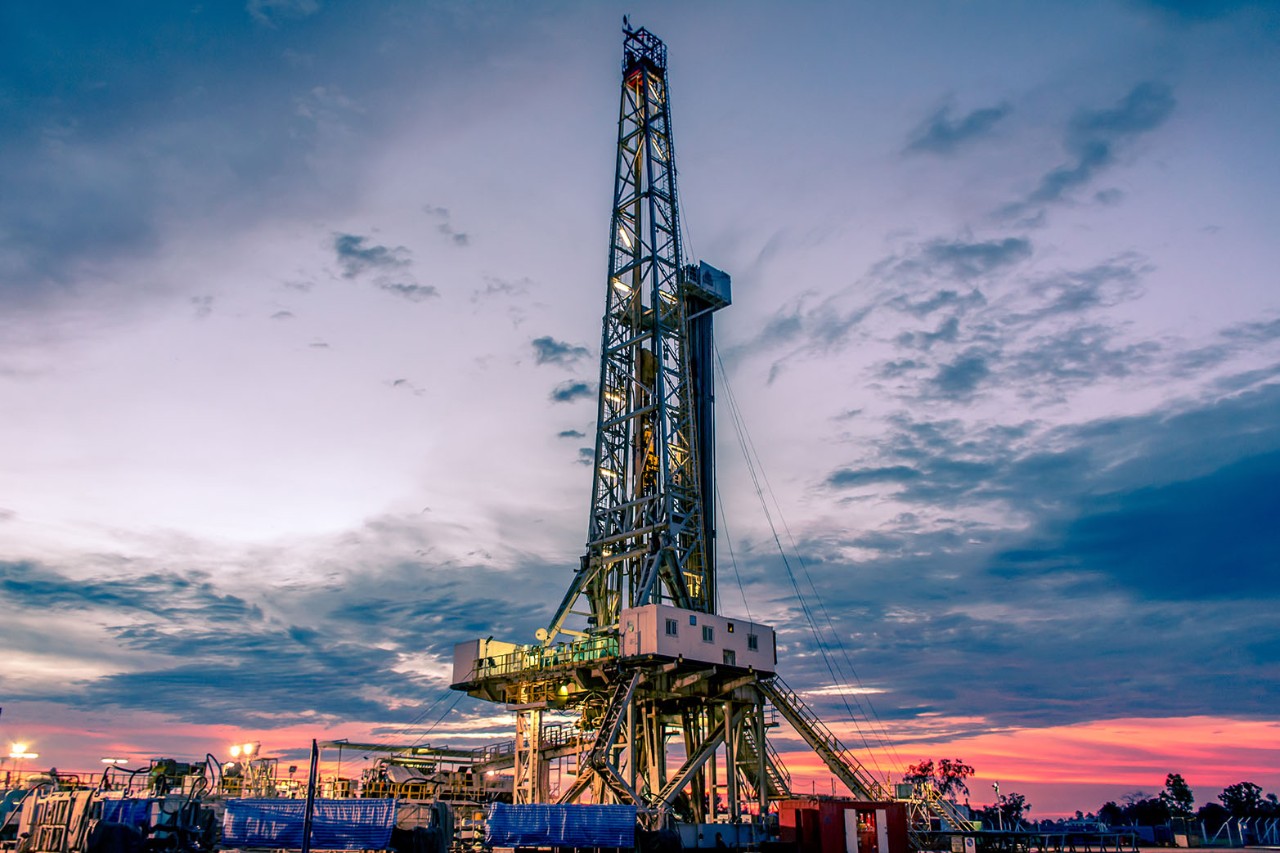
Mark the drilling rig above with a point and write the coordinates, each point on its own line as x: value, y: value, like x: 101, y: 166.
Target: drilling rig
x: 673, y: 700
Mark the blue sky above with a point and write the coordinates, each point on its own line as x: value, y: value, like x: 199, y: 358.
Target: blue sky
x: 299, y: 304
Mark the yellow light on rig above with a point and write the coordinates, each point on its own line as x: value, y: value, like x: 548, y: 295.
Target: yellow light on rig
x: 234, y: 750
x: 115, y: 761
x: 249, y: 749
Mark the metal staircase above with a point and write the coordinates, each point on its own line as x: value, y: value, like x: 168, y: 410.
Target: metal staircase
x: 936, y: 805
x: 600, y: 758
x: 838, y: 757
x: 777, y: 779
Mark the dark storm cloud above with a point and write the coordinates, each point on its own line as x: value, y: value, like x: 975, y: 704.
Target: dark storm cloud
x: 941, y: 134
x: 355, y: 257
x: 1093, y: 136
x: 547, y: 350
x: 570, y: 390
x: 1135, y: 536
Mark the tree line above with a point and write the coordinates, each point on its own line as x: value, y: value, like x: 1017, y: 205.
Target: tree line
x: 1177, y: 800
x: 1242, y: 800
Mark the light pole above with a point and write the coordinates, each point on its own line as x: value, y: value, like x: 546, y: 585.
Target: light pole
x: 999, y: 811
x: 18, y: 752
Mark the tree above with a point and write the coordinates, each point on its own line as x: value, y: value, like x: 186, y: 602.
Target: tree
x: 1213, y: 816
x: 1151, y: 811
x: 1177, y: 796
x: 1007, y: 811
x: 1243, y: 799
x: 947, y: 776
x: 1111, y: 814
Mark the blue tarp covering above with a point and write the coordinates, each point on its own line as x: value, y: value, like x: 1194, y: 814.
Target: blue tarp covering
x: 335, y: 824
x: 130, y: 811
x: 560, y: 826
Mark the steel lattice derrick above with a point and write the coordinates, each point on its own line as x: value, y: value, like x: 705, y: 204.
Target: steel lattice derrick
x: 646, y: 538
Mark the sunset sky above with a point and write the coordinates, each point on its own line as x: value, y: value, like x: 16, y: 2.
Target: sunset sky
x: 299, y: 323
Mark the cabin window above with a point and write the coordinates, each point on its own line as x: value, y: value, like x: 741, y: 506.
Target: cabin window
x: 671, y: 627
x: 693, y: 620
x: 730, y: 659
x: 753, y: 642
x: 708, y: 634
x: 729, y: 627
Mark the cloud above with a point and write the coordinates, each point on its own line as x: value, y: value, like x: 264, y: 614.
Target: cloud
x: 203, y: 306
x: 406, y: 385
x: 938, y: 300
x: 851, y: 477
x: 963, y: 260
x: 458, y: 238
x: 1093, y: 136
x: 1054, y: 563
x: 355, y: 257
x: 570, y: 390
x: 961, y: 377
x: 272, y: 12
x: 564, y: 433
x: 282, y: 315
x: 1215, y: 536
x: 940, y: 134
x: 547, y: 350
x: 1034, y: 335
x: 348, y: 641
x: 412, y: 292
x: 494, y: 286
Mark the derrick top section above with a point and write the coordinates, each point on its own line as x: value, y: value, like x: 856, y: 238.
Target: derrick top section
x: 641, y: 48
